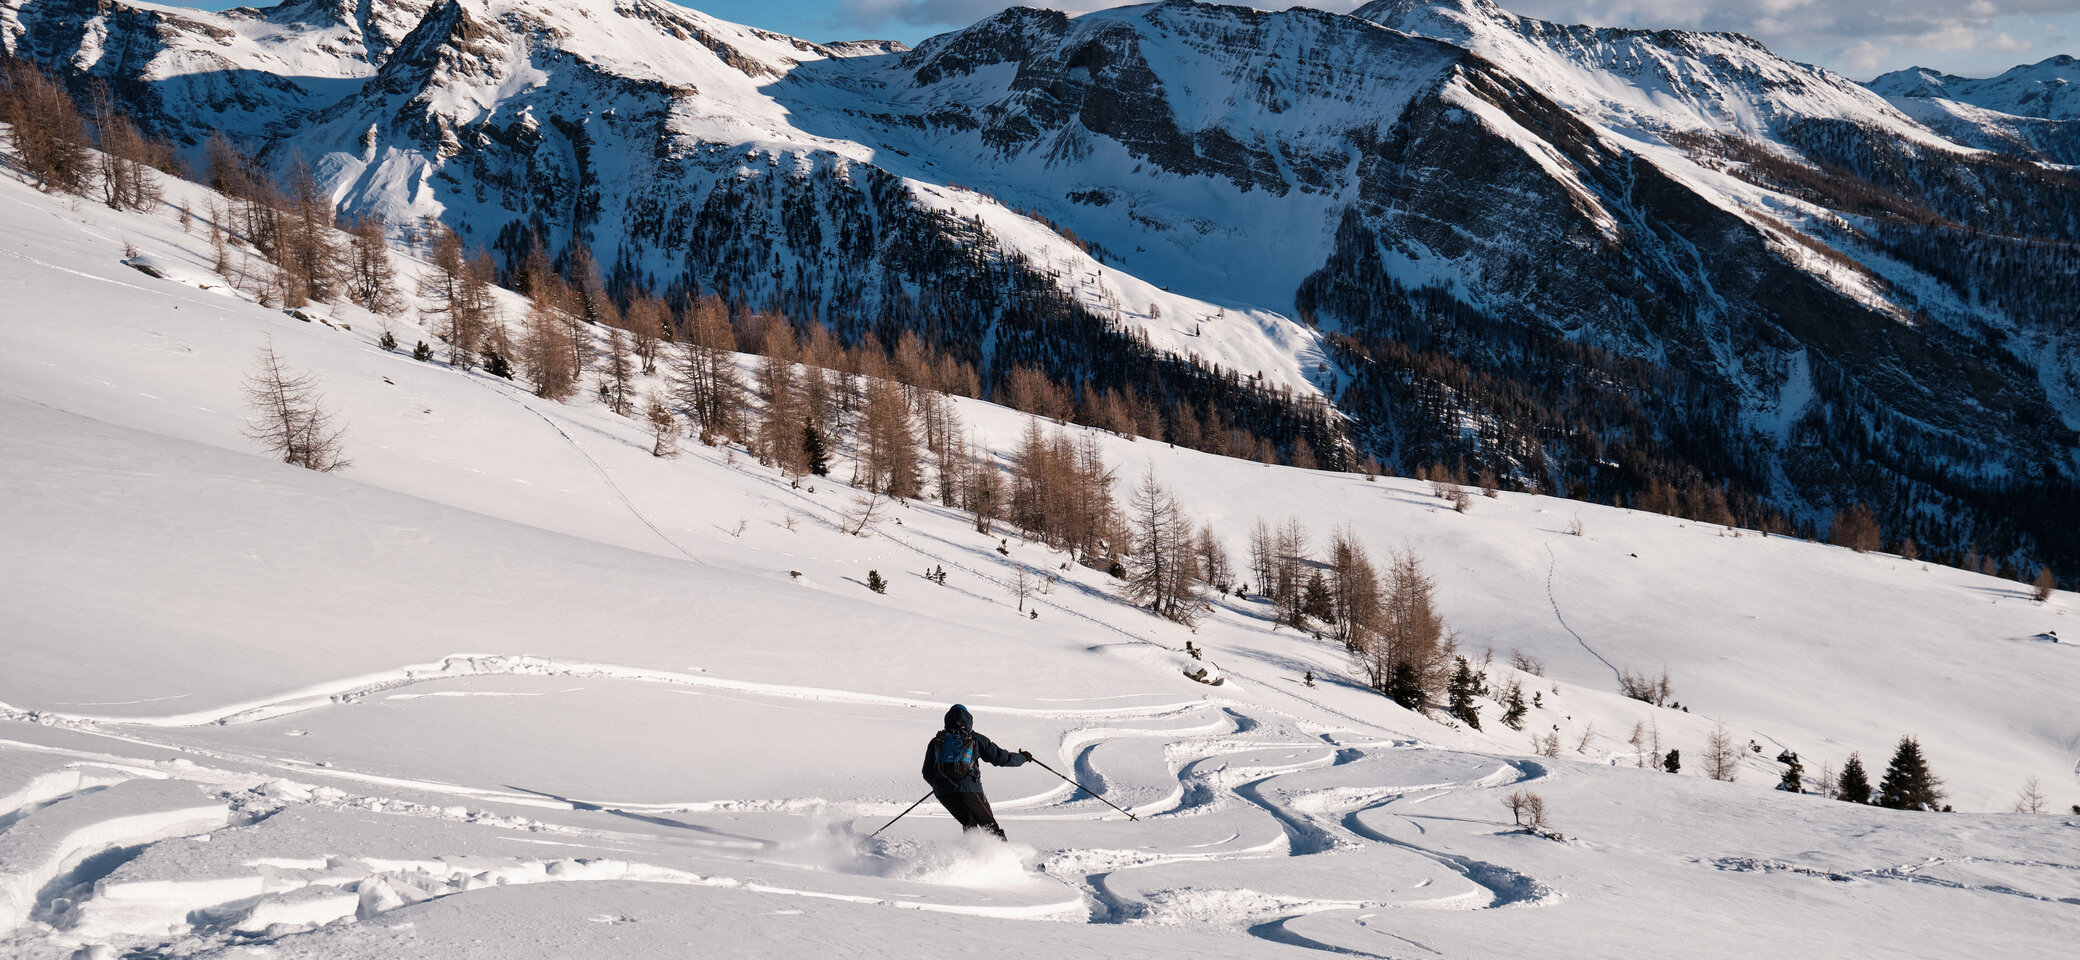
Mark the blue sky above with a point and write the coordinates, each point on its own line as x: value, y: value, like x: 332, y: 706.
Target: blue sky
x: 1861, y: 38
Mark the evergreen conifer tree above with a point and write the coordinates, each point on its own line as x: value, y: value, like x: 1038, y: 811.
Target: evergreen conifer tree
x: 1405, y: 687
x: 1794, y: 776
x: 1316, y: 601
x: 1854, y: 785
x: 1908, y: 784
x: 1464, y: 687
x: 875, y: 583
x: 422, y: 352
x: 1513, y: 715
x: 814, y: 451
x: 1673, y: 763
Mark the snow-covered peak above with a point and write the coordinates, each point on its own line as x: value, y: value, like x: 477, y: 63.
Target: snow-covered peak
x: 1433, y: 17
x: 1650, y: 81
x: 2046, y: 90
x: 865, y: 48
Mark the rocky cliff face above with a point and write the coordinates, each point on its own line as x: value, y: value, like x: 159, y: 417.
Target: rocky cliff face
x: 1601, y: 260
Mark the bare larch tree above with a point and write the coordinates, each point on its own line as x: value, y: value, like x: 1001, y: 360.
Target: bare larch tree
x: 290, y: 418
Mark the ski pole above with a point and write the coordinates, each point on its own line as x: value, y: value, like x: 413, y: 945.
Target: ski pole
x: 905, y: 813
x: 1085, y: 789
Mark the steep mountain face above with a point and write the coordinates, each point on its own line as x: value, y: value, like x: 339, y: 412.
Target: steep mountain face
x: 653, y: 134
x: 2032, y: 110
x: 1816, y: 219
x: 1605, y: 261
x: 189, y: 71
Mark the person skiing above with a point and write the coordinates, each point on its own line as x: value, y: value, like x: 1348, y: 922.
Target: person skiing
x: 950, y: 766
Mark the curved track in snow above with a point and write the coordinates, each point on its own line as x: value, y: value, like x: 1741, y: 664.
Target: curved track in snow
x: 1227, y: 804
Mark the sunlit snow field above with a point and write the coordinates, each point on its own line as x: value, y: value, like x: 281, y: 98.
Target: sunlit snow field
x: 508, y: 686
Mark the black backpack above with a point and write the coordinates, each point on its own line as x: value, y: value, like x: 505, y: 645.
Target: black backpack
x: 953, y: 755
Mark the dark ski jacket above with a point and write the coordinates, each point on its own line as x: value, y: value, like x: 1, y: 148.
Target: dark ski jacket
x: 958, y: 721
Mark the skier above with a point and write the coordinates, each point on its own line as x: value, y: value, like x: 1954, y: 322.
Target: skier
x: 950, y: 767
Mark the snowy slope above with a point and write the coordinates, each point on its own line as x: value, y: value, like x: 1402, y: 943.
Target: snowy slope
x: 509, y: 686
x: 1227, y: 185
x: 2032, y: 109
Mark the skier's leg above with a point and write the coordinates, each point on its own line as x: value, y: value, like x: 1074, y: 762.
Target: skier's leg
x: 956, y: 804
x: 984, y: 817
x: 972, y: 810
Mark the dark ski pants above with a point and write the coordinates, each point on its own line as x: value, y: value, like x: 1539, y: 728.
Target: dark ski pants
x: 972, y: 810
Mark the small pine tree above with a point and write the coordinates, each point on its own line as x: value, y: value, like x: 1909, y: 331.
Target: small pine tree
x: 496, y: 364
x: 387, y: 341
x: 875, y: 583
x: 1854, y: 785
x: 1794, y: 780
x: 814, y: 452
x: 1309, y: 679
x: 1673, y: 763
x: 1464, y: 687
x: 1317, y: 602
x: 422, y: 352
x: 1405, y: 687
x: 1908, y: 784
x: 1513, y: 714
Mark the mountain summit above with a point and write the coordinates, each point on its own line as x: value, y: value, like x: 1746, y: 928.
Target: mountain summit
x: 1666, y: 268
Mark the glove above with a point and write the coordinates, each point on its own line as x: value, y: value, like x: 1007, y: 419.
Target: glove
x: 1028, y: 754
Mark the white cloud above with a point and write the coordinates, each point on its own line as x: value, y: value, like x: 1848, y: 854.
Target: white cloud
x: 1862, y: 56
x: 1858, y: 33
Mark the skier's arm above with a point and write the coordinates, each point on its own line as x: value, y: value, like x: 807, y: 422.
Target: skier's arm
x: 931, y: 770
x: 997, y: 755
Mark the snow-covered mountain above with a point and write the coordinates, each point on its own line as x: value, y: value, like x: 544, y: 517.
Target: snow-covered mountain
x: 2032, y: 110
x: 2046, y: 90
x: 1648, y: 82
x: 510, y: 685
x: 1589, y: 259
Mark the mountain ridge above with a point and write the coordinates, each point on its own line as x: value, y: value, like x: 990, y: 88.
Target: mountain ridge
x: 1318, y: 194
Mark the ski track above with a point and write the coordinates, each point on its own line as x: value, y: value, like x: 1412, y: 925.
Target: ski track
x: 1216, y: 764
x: 1206, y: 778
x: 1552, y: 562
x: 1217, y: 754
x: 462, y: 665
x: 604, y: 474
x: 1276, y: 932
